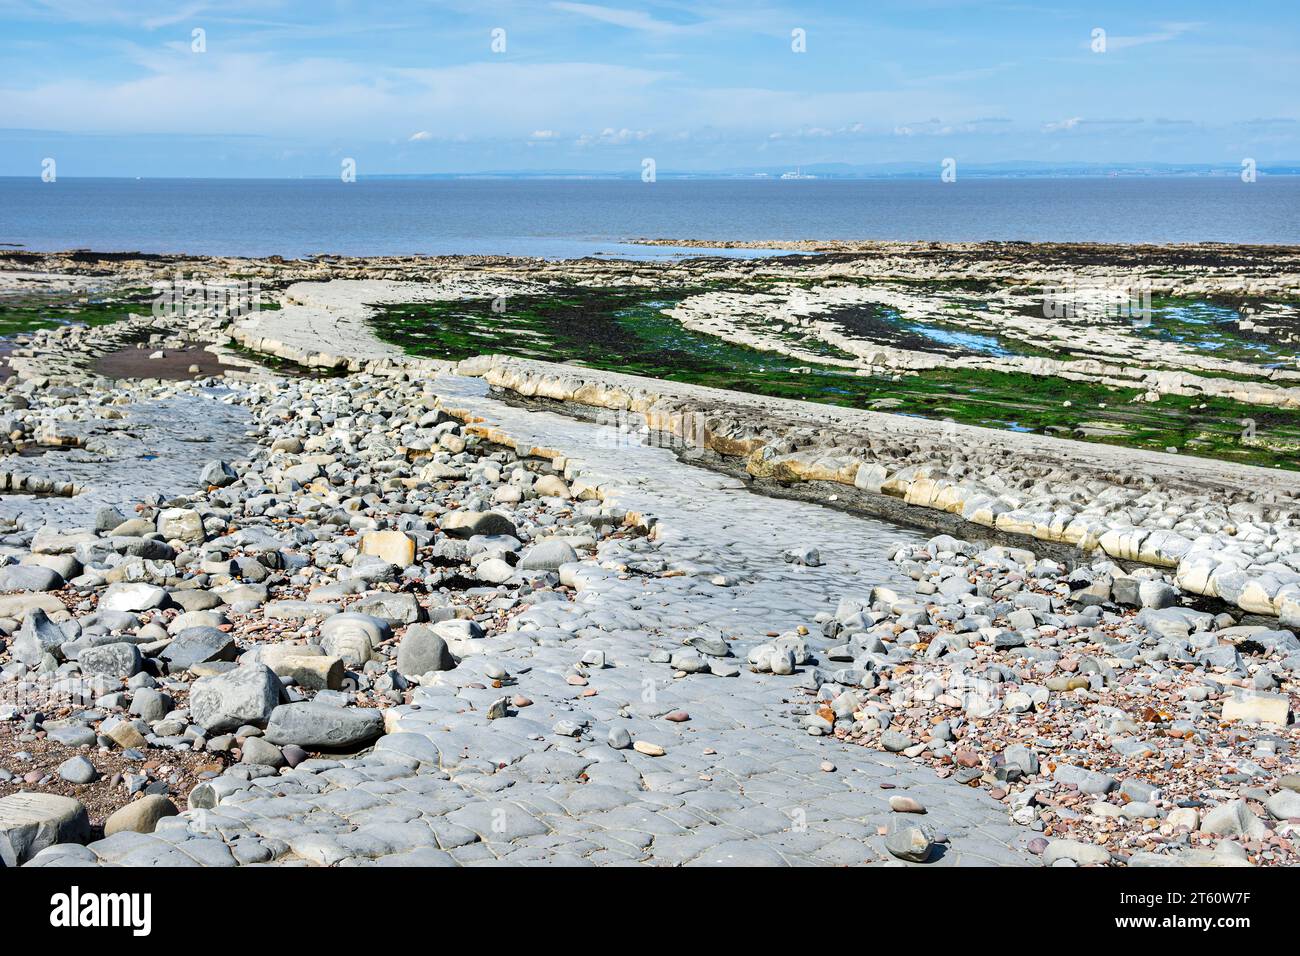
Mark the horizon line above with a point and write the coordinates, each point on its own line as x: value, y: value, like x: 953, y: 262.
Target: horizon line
x: 1292, y: 170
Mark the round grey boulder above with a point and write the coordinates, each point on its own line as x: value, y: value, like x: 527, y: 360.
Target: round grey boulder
x: 422, y: 651
x: 78, y: 770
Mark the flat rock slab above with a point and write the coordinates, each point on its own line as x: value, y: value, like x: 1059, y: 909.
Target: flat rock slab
x: 155, y: 455
x: 323, y: 725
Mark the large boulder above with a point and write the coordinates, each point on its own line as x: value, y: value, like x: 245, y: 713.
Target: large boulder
x: 245, y: 695
x: 395, y: 608
x: 192, y: 619
x: 140, y: 816
x: 218, y: 474
x: 548, y: 555
x: 27, y: 577
x: 37, y: 637
x: 29, y: 822
x: 110, y: 660
x: 319, y: 726
x: 422, y: 651
x: 353, y: 636
x: 184, y: 524
x: 312, y: 671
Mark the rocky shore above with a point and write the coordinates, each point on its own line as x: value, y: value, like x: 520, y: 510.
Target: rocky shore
x: 392, y: 618
x: 381, y: 637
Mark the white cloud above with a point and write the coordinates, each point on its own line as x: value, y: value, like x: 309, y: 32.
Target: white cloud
x: 629, y: 19
x: 256, y: 94
x: 341, y: 103
x: 1170, y: 31
x: 612, y: 137
x: 1056, y: 127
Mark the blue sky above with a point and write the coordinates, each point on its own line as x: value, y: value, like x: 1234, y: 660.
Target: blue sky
x: 288, y: 89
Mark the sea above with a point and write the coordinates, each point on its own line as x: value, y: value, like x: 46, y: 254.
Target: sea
x: 570, y: 218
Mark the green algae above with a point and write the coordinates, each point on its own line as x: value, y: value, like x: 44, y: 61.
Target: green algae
x: 32, y: 313
x: 627, y: 331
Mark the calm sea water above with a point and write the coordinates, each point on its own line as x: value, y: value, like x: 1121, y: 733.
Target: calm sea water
x: 571, y: 218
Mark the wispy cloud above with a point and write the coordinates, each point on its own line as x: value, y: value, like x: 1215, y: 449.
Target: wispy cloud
x: 614, y: 137
x: 628, y: 19
x: 182, y: 15
x: 1168, y: 31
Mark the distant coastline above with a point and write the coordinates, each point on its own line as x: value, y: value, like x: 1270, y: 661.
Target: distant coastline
x: 574, y: 219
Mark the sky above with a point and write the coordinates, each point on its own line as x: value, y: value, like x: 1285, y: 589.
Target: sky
x: 267, y: 88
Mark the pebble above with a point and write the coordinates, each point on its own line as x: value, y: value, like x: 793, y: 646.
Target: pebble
x: 902, y: 804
